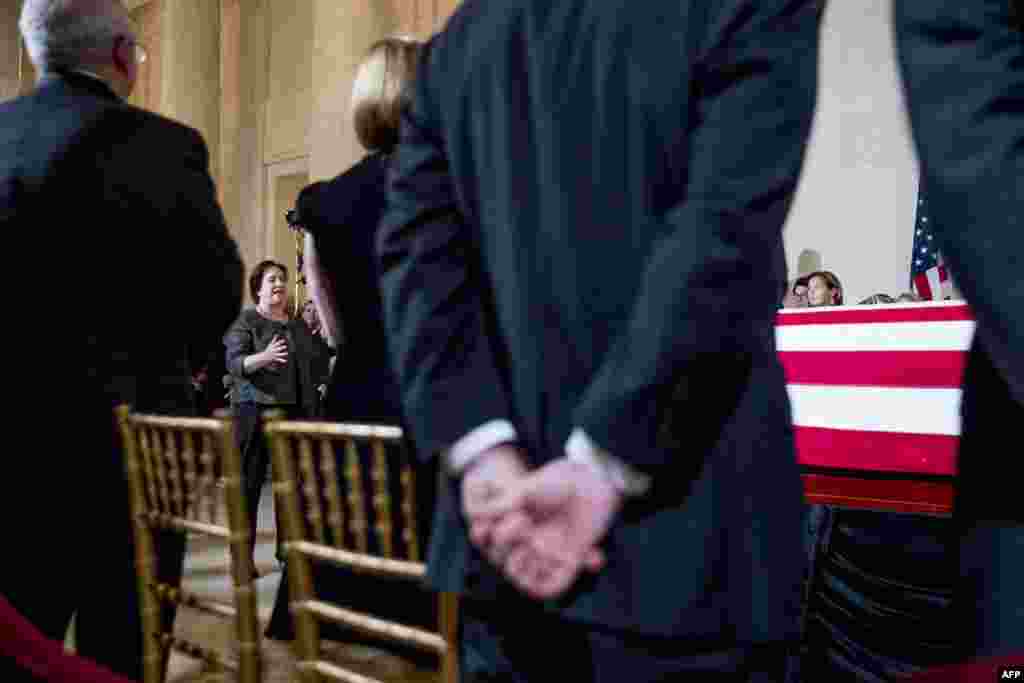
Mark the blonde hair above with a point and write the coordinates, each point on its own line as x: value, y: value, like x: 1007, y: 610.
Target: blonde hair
x: 381, y: 90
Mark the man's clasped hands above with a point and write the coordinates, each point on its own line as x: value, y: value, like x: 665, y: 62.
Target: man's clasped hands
x: 541, y: 528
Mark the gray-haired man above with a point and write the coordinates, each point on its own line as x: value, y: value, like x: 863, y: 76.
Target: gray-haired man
x: 125, y: 207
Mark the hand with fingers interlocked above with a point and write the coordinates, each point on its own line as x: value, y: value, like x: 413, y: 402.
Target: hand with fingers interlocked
x: 542, y: 529
x: 491, y: 473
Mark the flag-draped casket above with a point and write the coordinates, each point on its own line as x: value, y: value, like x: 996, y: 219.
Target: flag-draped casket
x: 875, y: 392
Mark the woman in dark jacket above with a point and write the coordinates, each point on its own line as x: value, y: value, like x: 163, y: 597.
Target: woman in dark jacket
x: 340, y: 219
x: 274, y: 363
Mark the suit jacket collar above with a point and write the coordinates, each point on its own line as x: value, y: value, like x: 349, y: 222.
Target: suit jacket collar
x: 79, y: 80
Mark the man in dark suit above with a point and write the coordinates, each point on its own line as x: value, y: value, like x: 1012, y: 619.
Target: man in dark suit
x: 110, y: 211
x: 580, y: 277
x: 963, y: 68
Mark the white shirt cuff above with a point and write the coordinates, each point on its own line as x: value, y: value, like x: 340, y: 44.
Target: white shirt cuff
x: 580, y: 448
x: 474, y: 443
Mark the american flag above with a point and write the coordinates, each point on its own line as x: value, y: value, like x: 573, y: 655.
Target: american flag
x: 929, y: 276
x: 875, y: 390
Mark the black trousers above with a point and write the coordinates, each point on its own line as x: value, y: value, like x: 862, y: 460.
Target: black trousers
x: 510, y: 641
x: 256, y: 460
x: 990, y: 594
x: 879, y: 601
x: 72, y: 553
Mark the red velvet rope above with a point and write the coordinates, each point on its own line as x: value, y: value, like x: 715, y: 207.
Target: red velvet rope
x: 45, y: 658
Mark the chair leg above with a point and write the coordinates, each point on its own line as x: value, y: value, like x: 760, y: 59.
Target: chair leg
x: 449, y: 616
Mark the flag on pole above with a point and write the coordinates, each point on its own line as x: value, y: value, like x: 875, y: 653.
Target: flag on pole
x: 929, y: 276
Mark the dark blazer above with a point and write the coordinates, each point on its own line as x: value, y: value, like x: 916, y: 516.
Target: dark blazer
x: 585, y: 212
x: 112, y: 224
x: 120, y: 202
x: 966, y: 98
x: 252, y: 333
x: 343, y: 216
x: 963, y: 70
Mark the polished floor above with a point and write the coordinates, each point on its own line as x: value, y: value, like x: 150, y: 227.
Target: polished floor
x: 207, y: 573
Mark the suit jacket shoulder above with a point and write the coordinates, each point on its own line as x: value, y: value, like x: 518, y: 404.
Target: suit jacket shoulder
x: 349, y: 195
x: 124, y: 130
x: 122, y: 194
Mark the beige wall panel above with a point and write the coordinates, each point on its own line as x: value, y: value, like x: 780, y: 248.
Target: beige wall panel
x: 147, y: 88
x: 289, y: 100
x: 231, y: 98
x: 422, y: 18
x: 230, y: 102
x: 287, y: 126
x: 283, y: 182
x: 445, y: 8
x: 190, y: 68
x: 10, y: 48
x: 403, y: 11
x: 412, y: 16
x: 27, y: 80
x: 342, y: 33
x: 8, y: 87
x: 244, y: 69
x: 17, y: 74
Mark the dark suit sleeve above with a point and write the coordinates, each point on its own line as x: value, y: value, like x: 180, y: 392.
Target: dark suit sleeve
x: 440, y: 347
x: 963, y: 70
x: 707, y: 287
x: 238, y: 343
x: 158, y: 174
x: 213, y: 260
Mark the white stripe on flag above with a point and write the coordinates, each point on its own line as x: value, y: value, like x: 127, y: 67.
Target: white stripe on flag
x: 947, y: 286
x: 934, y: 282
x: 914, y: 411
x: 950, y: 335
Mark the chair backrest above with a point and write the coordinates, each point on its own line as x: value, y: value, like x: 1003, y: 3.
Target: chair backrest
x: 181, y: 473
x: 372, y: 531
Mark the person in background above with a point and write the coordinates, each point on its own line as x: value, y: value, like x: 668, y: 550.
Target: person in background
x: 878, y: 598
x: 797, y: 296
x: 310, y: 317
x: 876, y: 299
x: 340, y: 219
x: 580, y: 274
x: 824, y: 289
x: 272, y: 359
x: 325, y: 353
x: 102, y: 201
x: 858, y: 625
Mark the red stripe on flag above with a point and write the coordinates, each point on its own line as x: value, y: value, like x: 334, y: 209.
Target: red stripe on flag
x: 923, y: 287
x: 871, y: 314
x: 876, y: 451
x: 892, y: 495
x: 918, y: 369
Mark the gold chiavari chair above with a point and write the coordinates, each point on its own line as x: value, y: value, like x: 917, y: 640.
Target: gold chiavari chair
x: 174, y: 466
x: 324, y: 524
